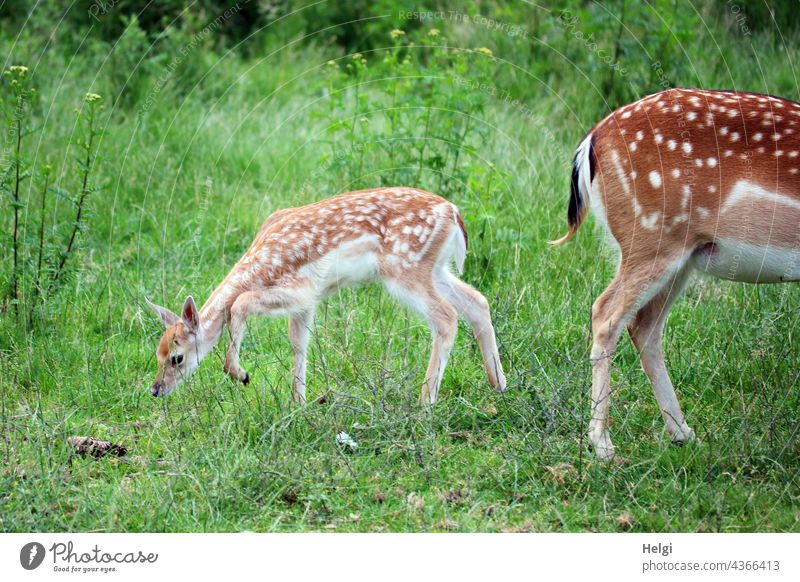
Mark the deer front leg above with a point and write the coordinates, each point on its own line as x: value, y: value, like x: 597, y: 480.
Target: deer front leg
x: 299, y: 334
x: 265, y: 302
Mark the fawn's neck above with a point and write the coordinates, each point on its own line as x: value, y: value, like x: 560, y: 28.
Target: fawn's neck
x: 216, y: 312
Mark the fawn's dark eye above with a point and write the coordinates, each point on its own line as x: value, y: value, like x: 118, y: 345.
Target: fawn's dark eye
x: 176, y: 360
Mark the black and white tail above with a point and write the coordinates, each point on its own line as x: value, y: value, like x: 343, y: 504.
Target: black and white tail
x: 583, y: 167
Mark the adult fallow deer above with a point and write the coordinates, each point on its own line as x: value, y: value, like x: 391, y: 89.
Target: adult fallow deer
x: 684, y: 180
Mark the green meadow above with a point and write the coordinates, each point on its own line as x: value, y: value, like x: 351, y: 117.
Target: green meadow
x: 210, y: 116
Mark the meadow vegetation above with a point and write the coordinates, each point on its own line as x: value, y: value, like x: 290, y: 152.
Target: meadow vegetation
x: 150, y: 144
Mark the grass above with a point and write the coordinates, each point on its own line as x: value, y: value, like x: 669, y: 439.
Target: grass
x: 187, y: 185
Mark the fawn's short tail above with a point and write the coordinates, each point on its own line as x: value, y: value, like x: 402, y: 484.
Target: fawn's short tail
x: 583, y: 167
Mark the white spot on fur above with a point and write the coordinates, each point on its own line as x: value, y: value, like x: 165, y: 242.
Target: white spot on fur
x: 655, y: 179
x: 649, y: 222
x: 687, y: 191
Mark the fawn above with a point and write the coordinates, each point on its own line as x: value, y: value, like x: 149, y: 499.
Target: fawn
x: 404, y: 237
x: 684, y: 180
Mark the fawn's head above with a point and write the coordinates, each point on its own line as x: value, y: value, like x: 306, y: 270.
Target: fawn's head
x: 178, y: 351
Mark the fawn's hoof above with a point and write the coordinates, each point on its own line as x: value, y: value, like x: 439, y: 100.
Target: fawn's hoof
x: 683, y: 435
x: 500, y: 387
x: 246, y: 379
x: 600, y: 444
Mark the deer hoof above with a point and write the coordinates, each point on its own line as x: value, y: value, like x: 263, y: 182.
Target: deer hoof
x: 683, y: 436
x: 246, y: 380
x: 600, y: 444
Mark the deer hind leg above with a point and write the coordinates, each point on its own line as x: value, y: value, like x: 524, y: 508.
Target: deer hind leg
x: 633, y: 286
x: 473, y: 307
x: 299, y: 334
x: 264, y: 302
x: 646, y: 330
x: 443, y: 321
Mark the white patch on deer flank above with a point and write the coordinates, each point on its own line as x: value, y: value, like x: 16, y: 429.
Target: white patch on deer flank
x: 655, y: 179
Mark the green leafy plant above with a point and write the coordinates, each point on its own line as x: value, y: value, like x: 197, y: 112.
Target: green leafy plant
x: 409, y: 116
x: 40, y: 258
x: 87, y: 143
x: 16, y: 171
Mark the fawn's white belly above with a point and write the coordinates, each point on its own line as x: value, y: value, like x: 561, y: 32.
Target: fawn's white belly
x: 738, y: 261
x: 352, y: 262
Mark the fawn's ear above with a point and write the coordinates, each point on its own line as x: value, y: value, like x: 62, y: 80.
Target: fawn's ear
x: 191, y: 319
x: 165, y: 315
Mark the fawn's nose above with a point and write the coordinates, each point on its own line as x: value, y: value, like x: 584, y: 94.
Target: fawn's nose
x: 157, y: 388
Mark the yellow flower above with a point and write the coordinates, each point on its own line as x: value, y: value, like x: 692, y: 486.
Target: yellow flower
x: 331, y: 63
x: 433, y: 32
x: 396, y: 32
x: 356, y: 56
x: 92, y: 97
x: 484, y: 51
x: 21, y: 69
